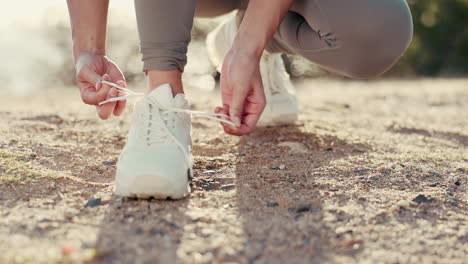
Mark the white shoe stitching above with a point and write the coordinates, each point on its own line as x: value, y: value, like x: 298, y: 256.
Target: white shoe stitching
x: 152, y: 128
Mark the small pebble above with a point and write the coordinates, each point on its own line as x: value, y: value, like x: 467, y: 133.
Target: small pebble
x: 454, y: 202
x: 156, y: 232
x: 272, y: 203
x: 228, y: 187
x: 93, y: 202
x: 421, y: 198
x: 294, y: 147
x: 304, y: 208
x: 108, y: 163
x: 450, y: 191
x: 282, y: 167
x: 457, y: 183
x: 403, y: 204
x: 207, y: 187
x: 359, y: 149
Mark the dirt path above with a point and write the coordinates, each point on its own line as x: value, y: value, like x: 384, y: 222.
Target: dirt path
x: 374, y: 172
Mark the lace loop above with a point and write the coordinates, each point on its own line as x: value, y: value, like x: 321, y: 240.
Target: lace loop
x: 131, y: 94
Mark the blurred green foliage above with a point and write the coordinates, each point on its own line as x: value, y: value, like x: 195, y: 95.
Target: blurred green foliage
x: 440, y: 43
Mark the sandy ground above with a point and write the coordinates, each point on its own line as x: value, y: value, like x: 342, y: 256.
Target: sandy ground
x: 374, y: 172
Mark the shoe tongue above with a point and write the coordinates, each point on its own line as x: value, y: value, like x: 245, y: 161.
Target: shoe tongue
x: 163, y: 95
x: 180, y: 101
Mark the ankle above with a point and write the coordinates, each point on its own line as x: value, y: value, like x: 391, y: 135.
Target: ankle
x: 156, y: 78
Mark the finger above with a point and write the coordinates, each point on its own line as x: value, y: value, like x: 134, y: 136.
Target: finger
x: 120, y: 106
x: 105, y: 110
x: 250, y: 123
x: 90, y: 76
x: 226, y: 127
x: 94, y: 94
x: 88, y: 93
x: 103, y: 91
x: 254, y: 108
x: 236, y: 107
x: 89, y: 82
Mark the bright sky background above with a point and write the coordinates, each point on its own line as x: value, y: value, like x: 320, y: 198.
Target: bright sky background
x: 32, y: 12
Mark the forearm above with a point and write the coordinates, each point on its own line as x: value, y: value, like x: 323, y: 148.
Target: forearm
x: 261, y: 20
x: 88, y: 20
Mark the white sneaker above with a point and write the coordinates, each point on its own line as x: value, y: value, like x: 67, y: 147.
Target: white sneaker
x: 157, y: 159
x: 282, y: 107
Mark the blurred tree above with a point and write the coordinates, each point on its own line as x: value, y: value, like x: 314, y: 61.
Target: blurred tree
x: 440, y: 44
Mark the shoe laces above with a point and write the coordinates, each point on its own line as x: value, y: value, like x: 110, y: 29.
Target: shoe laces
x: 166, y: 118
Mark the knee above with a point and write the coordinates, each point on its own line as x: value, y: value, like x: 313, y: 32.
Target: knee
x: 381, y: 44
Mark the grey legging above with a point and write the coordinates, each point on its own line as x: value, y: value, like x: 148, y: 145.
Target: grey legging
x: 355, y: 38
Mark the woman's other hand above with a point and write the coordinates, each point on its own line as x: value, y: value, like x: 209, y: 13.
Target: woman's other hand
x: 91, y: 69
x: 241, y: 91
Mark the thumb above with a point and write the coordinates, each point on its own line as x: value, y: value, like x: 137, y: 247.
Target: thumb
x: 91, y: 77
x: 236, y: 108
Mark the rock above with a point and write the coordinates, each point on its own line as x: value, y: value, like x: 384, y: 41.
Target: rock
x: 155, y: 231
x: 303, y: 208
x: 450, y: 191
x: 139, y: 230
x: 453, y: 202
x: 93, y: 202
x: 403, y: 204
x: 362, y: 171
x: 228, y: 187
x: 295, y: 147
x: 282, y: 167
x: 421, y: 198
x: 457, y: 183
x: 359, y: 149
x: 207, y: 187
x: 272, y: 203
x: 108, y: 163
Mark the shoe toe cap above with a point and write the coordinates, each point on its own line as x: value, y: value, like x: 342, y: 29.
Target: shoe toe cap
x: 163, y: 172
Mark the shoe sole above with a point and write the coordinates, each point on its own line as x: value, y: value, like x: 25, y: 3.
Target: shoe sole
x: 163, y: 190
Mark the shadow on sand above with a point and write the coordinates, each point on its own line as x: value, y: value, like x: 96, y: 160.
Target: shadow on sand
x: 276, y: 198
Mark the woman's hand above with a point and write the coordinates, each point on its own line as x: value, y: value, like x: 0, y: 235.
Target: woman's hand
x: 91, y: 69
x: 242, y: 92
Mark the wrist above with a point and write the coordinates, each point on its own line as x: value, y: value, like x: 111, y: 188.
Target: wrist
x: 80, y: 48
x: 253, y: 49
